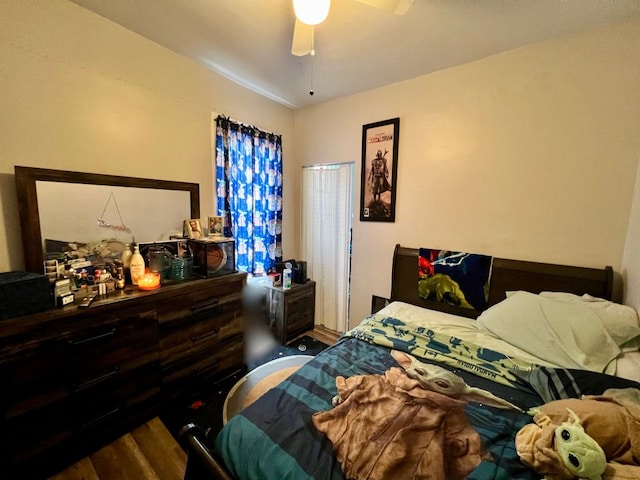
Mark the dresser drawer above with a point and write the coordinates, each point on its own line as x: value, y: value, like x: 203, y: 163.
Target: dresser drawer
x: 201, y: 335
x: 199, y: 303
x: 82, y: 413
x: 96, y: 355
x: 83, y: 382
x: 193, y: 328
x: 208, y: 363
x: 78, y: 362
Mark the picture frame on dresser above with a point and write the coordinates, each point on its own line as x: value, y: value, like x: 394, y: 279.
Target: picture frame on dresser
x: 216, y: 226
x: 193, y: 228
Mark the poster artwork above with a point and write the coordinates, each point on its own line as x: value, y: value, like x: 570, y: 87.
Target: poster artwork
x: 379, y: 167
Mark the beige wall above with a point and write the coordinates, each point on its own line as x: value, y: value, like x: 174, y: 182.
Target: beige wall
x: 530, y: 154
x: 82, y: 93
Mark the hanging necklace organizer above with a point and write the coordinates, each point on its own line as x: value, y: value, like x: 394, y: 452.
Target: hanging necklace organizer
x: 104, y: 224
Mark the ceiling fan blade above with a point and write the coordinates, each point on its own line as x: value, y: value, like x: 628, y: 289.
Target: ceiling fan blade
x: 399, y: 7
x: 302, y: 39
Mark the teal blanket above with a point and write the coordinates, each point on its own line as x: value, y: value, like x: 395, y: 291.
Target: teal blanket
x: 274, y: 438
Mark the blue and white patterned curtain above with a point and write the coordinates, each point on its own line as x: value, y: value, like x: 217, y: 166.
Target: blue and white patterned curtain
x: 249, y: 193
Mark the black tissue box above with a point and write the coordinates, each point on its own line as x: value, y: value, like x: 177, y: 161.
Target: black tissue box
x: 23, y: 293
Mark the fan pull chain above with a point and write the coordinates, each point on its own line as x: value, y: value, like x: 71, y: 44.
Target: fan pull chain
x: 311, y: 92
x: 313, y: 55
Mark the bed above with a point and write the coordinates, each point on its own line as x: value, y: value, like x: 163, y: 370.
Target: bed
x: 307, y: 428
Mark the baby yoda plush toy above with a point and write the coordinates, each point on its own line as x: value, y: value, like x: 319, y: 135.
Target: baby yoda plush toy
x: 562, y: 451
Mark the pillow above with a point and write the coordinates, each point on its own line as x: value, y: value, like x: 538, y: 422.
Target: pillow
x: 621, y: 321
x: 565, y: 334
x: 628, y: 366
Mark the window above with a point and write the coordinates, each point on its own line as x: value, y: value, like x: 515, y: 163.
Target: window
x: 249, y: 193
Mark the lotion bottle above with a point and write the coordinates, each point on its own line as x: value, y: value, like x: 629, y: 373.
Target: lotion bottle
x: 136, y: 265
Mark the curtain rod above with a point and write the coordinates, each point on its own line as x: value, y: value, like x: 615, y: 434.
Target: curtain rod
x: 244, y: 125
x: 328, y: 165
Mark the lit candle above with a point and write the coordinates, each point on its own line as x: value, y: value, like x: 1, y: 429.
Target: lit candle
x: 149, y: 281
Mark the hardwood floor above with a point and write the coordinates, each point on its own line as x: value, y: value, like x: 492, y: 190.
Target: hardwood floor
x: 324, y: 335
x: 149, y: 452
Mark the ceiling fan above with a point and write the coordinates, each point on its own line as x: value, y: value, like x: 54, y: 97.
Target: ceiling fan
x: 313, y: 12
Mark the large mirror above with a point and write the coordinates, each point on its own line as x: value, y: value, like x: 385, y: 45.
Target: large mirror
x: 95, y: 211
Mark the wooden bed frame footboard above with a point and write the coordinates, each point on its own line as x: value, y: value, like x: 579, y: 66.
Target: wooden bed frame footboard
x: 507, y: 275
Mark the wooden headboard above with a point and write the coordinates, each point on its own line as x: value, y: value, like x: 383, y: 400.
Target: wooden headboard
x: 506, y: 275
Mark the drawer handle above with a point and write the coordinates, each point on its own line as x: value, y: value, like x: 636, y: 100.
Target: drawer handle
x: 84, y: 341
x: 201, y: 307
x: 213, y: 332
x: 99, y: 419
x: 78, y: 387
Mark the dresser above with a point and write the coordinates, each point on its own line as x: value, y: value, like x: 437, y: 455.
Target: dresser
x: 74, y: 378
x: 291, y: 312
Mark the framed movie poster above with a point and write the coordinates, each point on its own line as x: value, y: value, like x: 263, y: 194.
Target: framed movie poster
x: 379, y: 171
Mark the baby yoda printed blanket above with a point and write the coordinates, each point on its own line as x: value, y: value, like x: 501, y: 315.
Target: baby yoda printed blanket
x: 275, y: 437
x: 455, y: 278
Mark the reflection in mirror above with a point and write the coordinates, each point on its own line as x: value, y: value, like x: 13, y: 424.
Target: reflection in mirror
x: 87, y: 213
x: 66, y: 206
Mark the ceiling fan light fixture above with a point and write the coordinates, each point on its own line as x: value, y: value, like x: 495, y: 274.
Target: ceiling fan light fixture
x: 311, y: 12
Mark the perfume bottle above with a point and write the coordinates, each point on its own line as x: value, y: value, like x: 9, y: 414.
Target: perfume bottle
x: 126, y: 260
x: 119, y: 278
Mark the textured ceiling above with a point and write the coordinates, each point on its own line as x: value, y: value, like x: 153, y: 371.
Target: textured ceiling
x: 358, y: 47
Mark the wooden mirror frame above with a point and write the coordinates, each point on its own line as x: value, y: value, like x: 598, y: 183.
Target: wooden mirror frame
x: 26, y: 178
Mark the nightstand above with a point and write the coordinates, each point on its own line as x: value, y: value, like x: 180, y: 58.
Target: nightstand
x: 378, y: 303
x: 291, y: 312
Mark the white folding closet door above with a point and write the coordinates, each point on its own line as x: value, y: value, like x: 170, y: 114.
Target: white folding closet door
x: 326, y: 239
